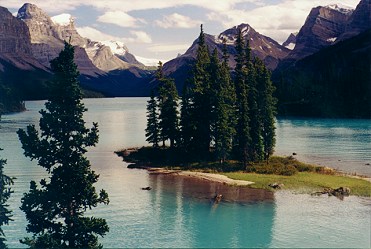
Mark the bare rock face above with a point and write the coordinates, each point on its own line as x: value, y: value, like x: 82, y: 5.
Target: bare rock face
x: 14, y: 35
x: 322, y: 28
x: 291, y: 41
x: 15, y: 45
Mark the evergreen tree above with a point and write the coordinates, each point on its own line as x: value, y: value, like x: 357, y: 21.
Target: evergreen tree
x: 55, y: 209
x: 152, y: 130
x: 255, y: 119
x: 224, y: 110
x: 5, y: 192
x: 201, y: 99
x: 186, y: 122
x: 267, y: 107
x: 168, y: 107
x: 243, y: 138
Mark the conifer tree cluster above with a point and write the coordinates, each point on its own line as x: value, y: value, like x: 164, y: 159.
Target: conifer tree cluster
x: 162, y: 112
x: 221, y: 117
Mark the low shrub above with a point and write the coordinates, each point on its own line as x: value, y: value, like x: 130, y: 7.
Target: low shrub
x: 275, y: 168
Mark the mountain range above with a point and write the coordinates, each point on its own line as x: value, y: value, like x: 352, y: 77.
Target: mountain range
x: 31, y: 39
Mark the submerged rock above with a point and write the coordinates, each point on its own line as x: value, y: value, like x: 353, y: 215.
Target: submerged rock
x: 276, y: 185
x: 339, y: 192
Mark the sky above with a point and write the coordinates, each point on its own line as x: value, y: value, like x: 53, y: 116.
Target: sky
x: 162, y: 29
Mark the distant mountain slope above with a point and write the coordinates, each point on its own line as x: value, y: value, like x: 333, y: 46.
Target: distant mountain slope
x: 262, y: 46
x: 334, y: 82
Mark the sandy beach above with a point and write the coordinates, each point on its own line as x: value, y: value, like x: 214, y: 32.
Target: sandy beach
x: 200, y: 175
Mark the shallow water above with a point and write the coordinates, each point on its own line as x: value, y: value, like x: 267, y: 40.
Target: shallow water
x: 175, y: 214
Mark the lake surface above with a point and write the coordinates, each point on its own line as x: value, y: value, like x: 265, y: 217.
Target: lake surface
x: 179, y: 213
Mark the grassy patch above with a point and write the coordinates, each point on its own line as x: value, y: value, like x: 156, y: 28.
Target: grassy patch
x: 306, y: 182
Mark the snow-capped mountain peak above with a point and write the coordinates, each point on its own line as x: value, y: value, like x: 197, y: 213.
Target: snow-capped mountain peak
x: 341, y: 8
x: 62, y: 19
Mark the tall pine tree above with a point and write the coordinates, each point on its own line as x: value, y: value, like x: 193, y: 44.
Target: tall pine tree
x: 201, y: 100
x: 55, y: 209
x: 186, y: 122
x: 5, y: 192
x: 152, y: 130
x: 224, y: 106
x: 267, y: 107
x: 255, y: 119
x: 168, y: 108
x: 242, y: 138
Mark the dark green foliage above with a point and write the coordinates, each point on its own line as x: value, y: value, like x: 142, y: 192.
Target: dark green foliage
x: 221, y: 118
x: 169, y: 120
x: 9, y: 100
x: 168, y: 108
x: 55, y: 208
x: 5, y: 192
x: 152, y: 130
x: 267, y: 108
x: 186, y: 122
x: 224, y: 120
x: 255, y: 120
x: 334, y: 82
x: 201, y: 99
x: 243, y: 139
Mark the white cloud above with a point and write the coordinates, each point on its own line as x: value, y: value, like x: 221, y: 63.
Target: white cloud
x: 161, y: 48
x: 177, y: 21
x: 96, y: 35
x: 139, y: 37
x: 127, y: 6
x: 119, y: 18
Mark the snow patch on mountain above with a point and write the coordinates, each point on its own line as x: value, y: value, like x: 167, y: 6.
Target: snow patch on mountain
x: 116, y: 47
x: 291, y: 46
x: 341, y: 8
x: 333, y: 39
x: 149, y: 61
x: 62, y: 19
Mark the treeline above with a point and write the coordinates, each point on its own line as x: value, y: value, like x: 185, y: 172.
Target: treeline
x: 9, y: 100
x: 221, y: 116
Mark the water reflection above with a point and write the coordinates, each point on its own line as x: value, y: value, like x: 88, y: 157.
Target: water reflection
x: 243, y: 219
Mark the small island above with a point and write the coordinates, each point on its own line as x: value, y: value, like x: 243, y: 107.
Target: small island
x: 287, y: 172
x: 223, y: 130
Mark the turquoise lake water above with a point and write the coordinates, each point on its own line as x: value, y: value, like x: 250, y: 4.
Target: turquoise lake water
x: 179, y: 213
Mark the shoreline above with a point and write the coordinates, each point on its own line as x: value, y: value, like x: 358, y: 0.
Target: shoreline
x: 202, y: 175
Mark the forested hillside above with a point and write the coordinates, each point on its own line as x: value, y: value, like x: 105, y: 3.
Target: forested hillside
x: 335, y: 82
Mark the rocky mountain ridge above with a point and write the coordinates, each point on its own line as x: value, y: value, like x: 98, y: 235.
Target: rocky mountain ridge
x: 267, y: 49
x: 328, y: 25
x: 48, y: 34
